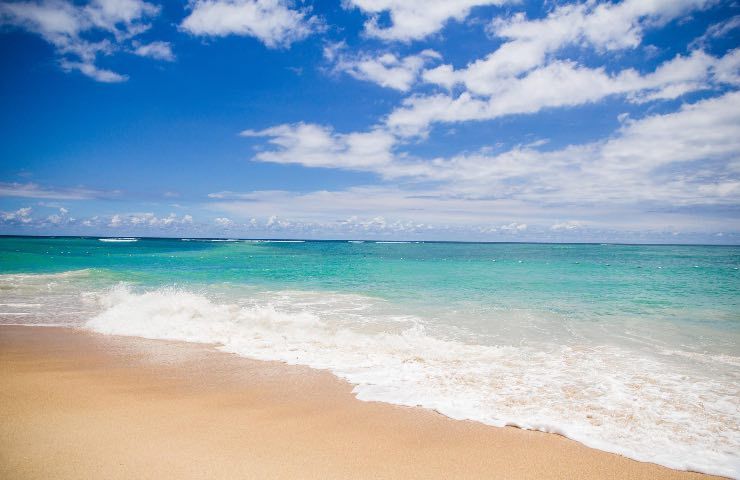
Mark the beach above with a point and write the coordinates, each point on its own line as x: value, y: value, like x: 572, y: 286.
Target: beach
x: 82, y: 405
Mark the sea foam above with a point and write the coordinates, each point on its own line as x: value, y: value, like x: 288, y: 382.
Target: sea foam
x: 119, y: 240
x: 604, y: 396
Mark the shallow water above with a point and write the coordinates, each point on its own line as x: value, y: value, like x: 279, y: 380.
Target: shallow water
x: 630, y: 349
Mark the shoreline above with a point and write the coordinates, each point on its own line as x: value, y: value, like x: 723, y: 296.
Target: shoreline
x: 77, y: 404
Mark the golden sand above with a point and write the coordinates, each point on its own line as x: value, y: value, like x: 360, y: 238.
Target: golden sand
x: 84, y: 406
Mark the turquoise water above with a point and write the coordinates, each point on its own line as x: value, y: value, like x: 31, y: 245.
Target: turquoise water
x: 632, y: 349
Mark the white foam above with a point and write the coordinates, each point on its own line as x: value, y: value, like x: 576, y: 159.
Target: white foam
x: 30, y: 277
x: 604, y: 396
x: 391, y: 242
x: 282, y: 241
x: 119, y: 240
x: 41, y: 298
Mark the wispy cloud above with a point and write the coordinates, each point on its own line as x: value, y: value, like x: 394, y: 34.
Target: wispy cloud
x: 81, y: 32
x: 32, y: 190
x: 156, y: 50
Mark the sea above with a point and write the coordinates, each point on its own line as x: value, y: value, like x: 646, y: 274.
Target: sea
x: 632, y: 349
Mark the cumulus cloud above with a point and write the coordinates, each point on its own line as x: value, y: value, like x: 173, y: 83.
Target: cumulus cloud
x: 276, y: 23
x: 318, y: 146
x: 688, y: 157
x: 604, y: 26
x: 80, y: 32
x: 21, y: 216
x: 60, y: 218
x: 387, y: 69
x: 569, y: 225
x: 148, y: 220
x: 414, y: 19
x: 223, y: 222
x: 524, y: 75
x: 564, y: 83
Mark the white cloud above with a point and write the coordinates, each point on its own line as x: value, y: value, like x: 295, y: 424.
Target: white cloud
x: 21, y: 216
x: 684, y: 158
x: 569, y: 225
x: 524, y: 74
x: 149, y: 220
x: 32, y: 190
x: 414, y: 19
x: 727, y: 69
x: 605, y: 26
x: 387, y: 69
x: 514, y: 227
x: 678, y: 159
x: 718, y: 30
x: 90, y: 70
x: 61, y: 218
x: 155, y: 50
x: 317, y: 146
x: 562, y: 84
x: 438, y: 213
x: 273, y: 22
x: 223, y: 222
x: 81, y: 32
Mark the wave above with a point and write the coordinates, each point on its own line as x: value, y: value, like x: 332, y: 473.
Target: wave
x: 83, y: 272
x: 390, y: 242
x: 119, y: 240
x: 602, y: 396
x: 278, y: 241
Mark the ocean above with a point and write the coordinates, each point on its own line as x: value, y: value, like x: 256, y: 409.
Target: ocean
x: 632, y: 349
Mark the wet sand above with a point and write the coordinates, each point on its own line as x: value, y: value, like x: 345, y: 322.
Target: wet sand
x: 80, y: 405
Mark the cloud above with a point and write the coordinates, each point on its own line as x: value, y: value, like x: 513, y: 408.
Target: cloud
x: 80, y: 32
x: 442, y: 213
x: 149, y: 220
x: 603, y: 26
x: 223, y: 222
x: 32, y: 190
x: 318, y: 146
x: 569, y: 225
x: 414, y: 19
x: 21, y: 216
x: 718, y: 30
x: 273, y: 22
x: 563, y: 83
x: 61, y: 218
x: 673, y: 160
x: 524, y: 75
x: 89, y: 69
x: 387, y: 69
x: 688, y: 157
x: 155, y: 50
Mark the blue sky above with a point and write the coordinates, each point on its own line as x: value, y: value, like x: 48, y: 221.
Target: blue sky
x: 489, y: 120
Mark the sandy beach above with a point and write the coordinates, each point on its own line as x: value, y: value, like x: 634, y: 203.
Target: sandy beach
x: 81, y: 405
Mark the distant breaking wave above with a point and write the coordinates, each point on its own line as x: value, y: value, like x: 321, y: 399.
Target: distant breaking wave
x: 117, y: 240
